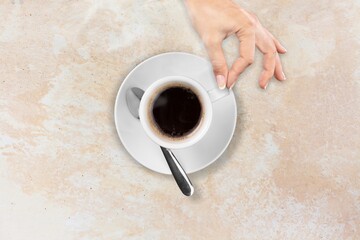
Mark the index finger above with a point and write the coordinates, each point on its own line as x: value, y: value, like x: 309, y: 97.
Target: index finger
x: 218, y: 61
x: 246, y: 58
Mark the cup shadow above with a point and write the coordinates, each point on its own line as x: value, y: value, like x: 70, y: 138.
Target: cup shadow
x: 225, y: 158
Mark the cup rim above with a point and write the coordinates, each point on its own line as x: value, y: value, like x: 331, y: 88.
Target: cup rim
x: 143, y: 112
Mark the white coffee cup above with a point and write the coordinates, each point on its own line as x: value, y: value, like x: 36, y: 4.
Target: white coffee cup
x: 206, y: 98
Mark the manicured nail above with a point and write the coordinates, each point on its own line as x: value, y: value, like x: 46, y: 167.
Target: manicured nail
x: 232, y: 85
x: 220, y: 79
x: 283, y: 76
x: 266, y: 86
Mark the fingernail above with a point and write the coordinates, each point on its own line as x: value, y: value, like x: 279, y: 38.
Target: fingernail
x: 220, y: 79
x: 266, y: 86
x: 232, y: 85
x: 284, y: 49
x: 283, y: 75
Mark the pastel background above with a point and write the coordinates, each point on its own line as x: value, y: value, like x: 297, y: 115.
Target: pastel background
x: 292, y: 170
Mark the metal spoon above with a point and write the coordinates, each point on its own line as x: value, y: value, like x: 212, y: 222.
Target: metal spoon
x: 133, y: 97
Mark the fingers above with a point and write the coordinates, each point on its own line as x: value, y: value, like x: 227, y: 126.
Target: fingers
x: 266, y: 43
x: 218, y: 61
x: 268, y: 68
x: 270, y: 47
x: 247, y: 51
x: 279, y: 73
x: 280, y: 48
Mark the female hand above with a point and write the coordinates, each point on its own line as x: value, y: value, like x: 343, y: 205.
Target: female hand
x: 215, y: 20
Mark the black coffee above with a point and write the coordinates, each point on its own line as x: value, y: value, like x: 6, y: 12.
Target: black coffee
x: 177, y: 111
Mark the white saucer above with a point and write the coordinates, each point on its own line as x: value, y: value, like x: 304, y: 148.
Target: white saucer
x: 139, y: 145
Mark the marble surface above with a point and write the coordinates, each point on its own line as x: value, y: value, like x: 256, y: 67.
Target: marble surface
x: 292, y: 170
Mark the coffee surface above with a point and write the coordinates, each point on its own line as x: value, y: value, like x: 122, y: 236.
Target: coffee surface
x: 177, y: 111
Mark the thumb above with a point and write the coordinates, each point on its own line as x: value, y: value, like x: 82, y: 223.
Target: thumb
x: 218, y: 62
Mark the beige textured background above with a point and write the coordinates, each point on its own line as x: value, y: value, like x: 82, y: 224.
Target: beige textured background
x: 292, y: 170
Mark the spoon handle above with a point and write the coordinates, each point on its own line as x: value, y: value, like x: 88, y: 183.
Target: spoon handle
x: 178, y: 172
